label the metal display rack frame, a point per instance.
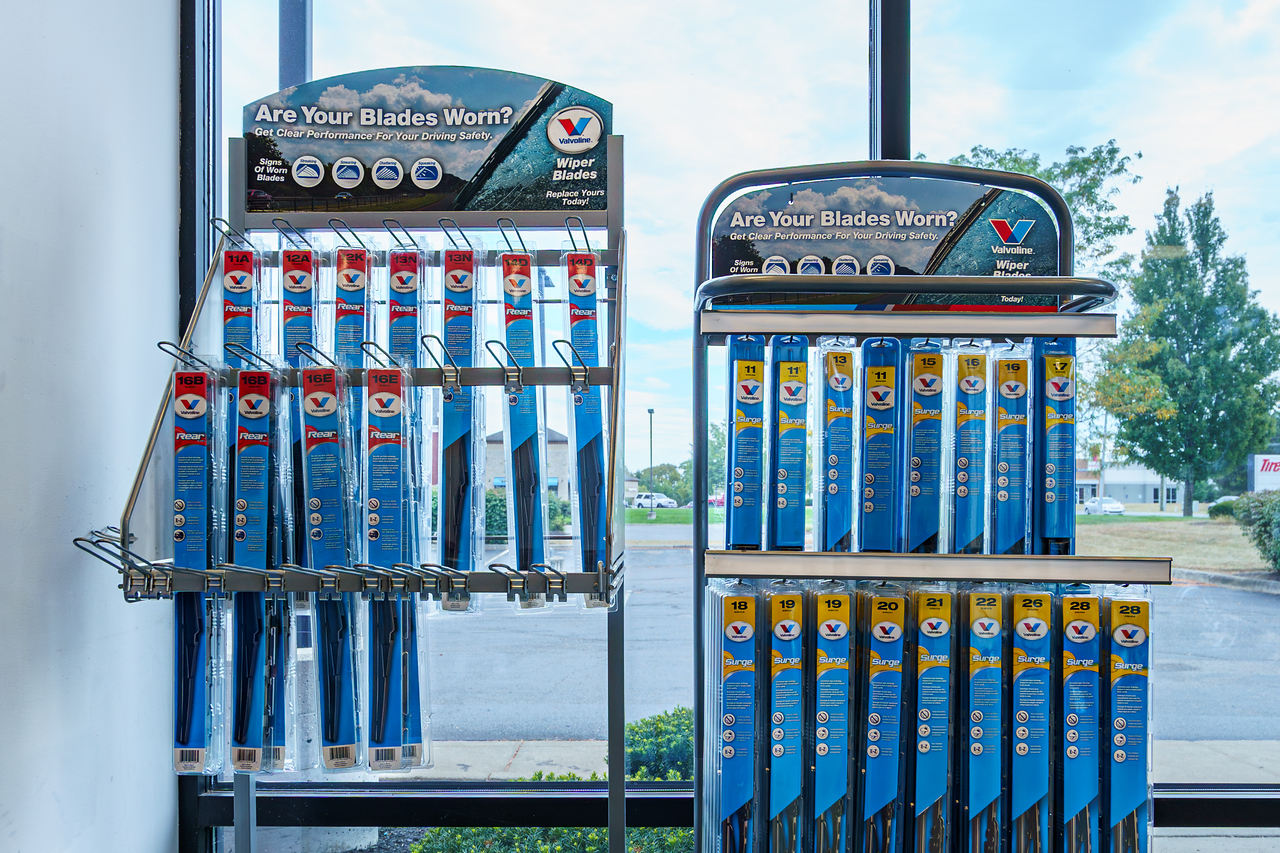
(205, 802)
(712, 326)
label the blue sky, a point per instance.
(703, 90)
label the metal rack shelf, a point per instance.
(938, 567)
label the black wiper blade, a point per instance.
(591, 489)
(453, 498)
(524, 480)
(189, 624)
(249, 628)
(383, 625)
(333, 633)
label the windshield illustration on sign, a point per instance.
(892, 226)
(427, 138)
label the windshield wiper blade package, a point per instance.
(924, 441)
(260, 528)
(982, 708)
(1055, 446)
(881, 464)
(834, 462)
(788, 442)
(882, 609)
(406, 302)
(1032, 707)
(199, 540)
(461, 503)
(298, 271)
(967, 468)
(586, 427)
(745, 457)
(241, 274)
(784, 749)
(328, 476)
(526, 478)
(731, 804)
(1011, 453)
(834, 646)
(1081, 756)
(1127, 784)
(353, 268)
(929, 764)
(395, 736)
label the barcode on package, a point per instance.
(339, 756)
(411, 753)
(186, 760)
(247, 759)
(385, 758)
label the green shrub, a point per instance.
(1226, 509)
(495, 513)
(550, 839)
(1259, 516)
(661, 747)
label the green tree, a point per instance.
(717, 449)
(1089, 181)
(670, 480)
(1190, 377)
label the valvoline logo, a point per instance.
(1129, 636)
(1012, 389)
(459, 281)
(320, 405)
(254, 406)
(1081, 631)
(517, 285)
(880, 397)
(1060, 388)
(297, 281)
(404, 281)
(832, 629)
(787, 629)
(927, 384)
(887, 632)
(384, 405)
(934, 627)
(573, 130)
(582, 284)
(1012, 235)
(351, 279)
(190, 406)
(739, 632)
(238, 281)
(986, 628)
(840, 381)
(1032, 629)
(973, 384)
(749, 391)
(793, 393)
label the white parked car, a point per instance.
(653, 500)
(1103, 506)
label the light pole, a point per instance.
(652, 504)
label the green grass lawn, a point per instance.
(672, 516)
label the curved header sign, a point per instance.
(439, 138)
(889, 225)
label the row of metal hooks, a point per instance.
(296, 239)
(149, 580)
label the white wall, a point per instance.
(88, 250)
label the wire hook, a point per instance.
(461, 233)
(503, 231)
(412, 244)
(309, 351)
(305, 242)
(184, 355)
(350, 231)
(365, 345)
(226, 229)
(586, 241)
(243, 352)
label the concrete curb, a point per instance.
(1252, 583)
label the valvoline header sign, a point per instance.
(443, 138)
(890, 225)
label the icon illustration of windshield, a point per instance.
(387, 173)
(347, 170)
(426, 172)
(308, 170)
